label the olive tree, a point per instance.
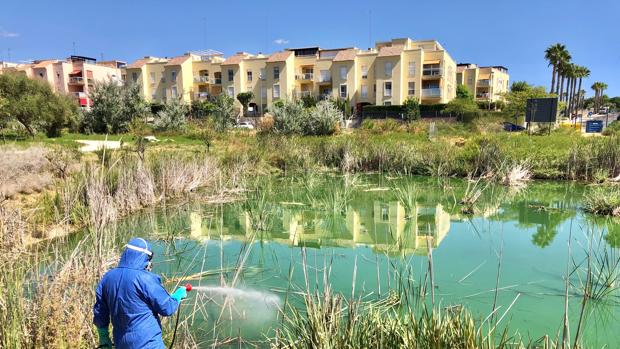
(173, 117)
(34, 105)
(224, 113)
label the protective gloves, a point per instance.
(180, 293)
(104, 338)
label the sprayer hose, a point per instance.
(176, 326)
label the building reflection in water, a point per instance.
(386, 227)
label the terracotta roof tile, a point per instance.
(394, 50)
(178, 60)
(280, 56)
(345, 55)
(236, 59)
(138, 63)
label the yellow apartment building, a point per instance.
(485, 83)
(75, 76)
(387, 74)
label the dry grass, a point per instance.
(24, 171)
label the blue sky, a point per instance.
(513, 33)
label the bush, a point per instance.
(202, 108)
(224, 113)
(173, 117)
(322, 120)
(34, 105)
(612, 129)
(288, 117)
(114, 107)
(411, 109)
(603, 200)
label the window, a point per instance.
(249, 73)
(154, 95)
(152, 78)
(388, 69)
(411, 88)
(387, 103)
(174, 76)
(364, 72)
(276, 73)
(134, 76)
(231, 75)
(343, 91)
(262, 74)
(387, 89)
(231, 91)
(276, 90)
(325, 76)
(385, 214)
(364, 91)
(174, 92)
(163, 94)
(343, 73)
(411, 68)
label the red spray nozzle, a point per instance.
(188, 287)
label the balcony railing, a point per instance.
(431, 72)
(201, 79)
(304, 76)
(301, 94)
(482, 95)
(484, 83)
(431, 92)
(201, 95)
(325, 79)
(76, 80)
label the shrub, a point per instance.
(202, 108)
(462, 106)
(172, 117)
(224, 114)
(114, 107)
(612, 129)
(322, 120)
(35, 106)
(604, 200)
(411, 108)
(288, 117)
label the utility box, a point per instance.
(594, 126)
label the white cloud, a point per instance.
(7, 34)
(280, 41)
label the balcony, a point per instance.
(482, 95)
(325, 79)
(484, 83)
(431, 72)
(201, 79)
(431, 92)
(304, 77)
(201, 95)
(301, 94)
(76, 80)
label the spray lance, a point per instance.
(188, 288)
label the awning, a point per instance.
(432, 62)
(75, 72)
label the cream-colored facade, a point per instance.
(485, 83)
(75, 76)
(387, 74)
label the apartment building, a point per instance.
(192, 76)
(387, 74)
(485, 83)
(75, 76)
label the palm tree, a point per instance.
(563, 62)
(582, 72)
(599, 88)
(552, 55)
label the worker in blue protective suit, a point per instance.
(133, 298)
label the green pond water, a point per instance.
(383, 224)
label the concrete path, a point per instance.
(90, 146)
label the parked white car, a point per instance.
(245, 125)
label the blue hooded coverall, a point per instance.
(134, 298)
